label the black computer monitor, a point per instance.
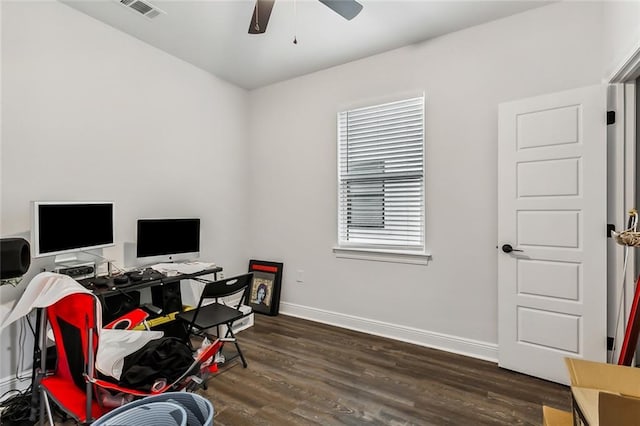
(168, 239)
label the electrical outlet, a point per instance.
(300, 276)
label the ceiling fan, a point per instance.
(348, 9)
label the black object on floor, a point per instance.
(17, 409)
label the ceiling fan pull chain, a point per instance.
(295, 21)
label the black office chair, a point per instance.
(208, 316)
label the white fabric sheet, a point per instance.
(43, 290)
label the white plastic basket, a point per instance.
(198, 411)
(148, 414)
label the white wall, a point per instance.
(452, 302)
(621, 33)
(90, 113)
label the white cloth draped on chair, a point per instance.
(47, 288)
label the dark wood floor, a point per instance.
(305, 373)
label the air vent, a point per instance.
(143, 8)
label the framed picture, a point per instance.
(264, 291)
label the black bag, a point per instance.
(165, 358)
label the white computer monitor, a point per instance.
(67, 227)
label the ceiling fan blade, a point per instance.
(260, 18)
(348, 9)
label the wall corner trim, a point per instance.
(459, 345)
(628, 69)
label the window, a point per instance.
(381, 176)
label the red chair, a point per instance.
(73, 384)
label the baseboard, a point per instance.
(445, 342)
(11, 383)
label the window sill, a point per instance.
(394, 256)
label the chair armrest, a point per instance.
(115, 387)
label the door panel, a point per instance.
(560, 280)
(534, 326)
(548, 228)
(552, 207)
(563, 178)
(556, 126)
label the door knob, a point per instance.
(508, 249)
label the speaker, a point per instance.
(79, 271)
(15, 257)
(167, 297)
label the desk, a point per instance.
(165, 293)
(112, 288)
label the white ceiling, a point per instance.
(212, 34)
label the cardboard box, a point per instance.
(554, 417)
(605, 394)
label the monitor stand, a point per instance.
(69, 259)
(73, 261)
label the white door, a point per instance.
(552, 289)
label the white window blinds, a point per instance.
(381, 175)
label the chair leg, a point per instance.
(244, 361)
(235, 342)
(44, 402)
(187, 335)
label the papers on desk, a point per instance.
(171, 269)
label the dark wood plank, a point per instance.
(305, 373)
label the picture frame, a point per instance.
(264, 290)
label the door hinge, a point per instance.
(609, 343)
(610, 227)
(611, 117)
